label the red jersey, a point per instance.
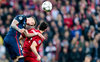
(27, 52)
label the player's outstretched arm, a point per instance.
(33, 48)
(14, 25)
(33, 34)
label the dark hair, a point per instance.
(43, 26)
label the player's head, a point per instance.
(43, 26)
(31, 21)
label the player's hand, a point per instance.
(21, 30)
(39, 34)
(38, 58)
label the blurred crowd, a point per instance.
(73, 32)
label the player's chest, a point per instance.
(38, 41)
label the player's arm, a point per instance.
(20, 40)
(14, 25)
(27, 34)
(15, 22)
(33, 48)
(21, 37)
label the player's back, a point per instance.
(27, 43)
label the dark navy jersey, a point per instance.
(22, 22)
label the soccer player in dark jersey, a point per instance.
(31, 45)
(11, 40)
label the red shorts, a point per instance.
(30, 59)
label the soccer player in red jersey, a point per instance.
(31, 45)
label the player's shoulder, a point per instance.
(37, 30)
(20, 17)
(33, 29)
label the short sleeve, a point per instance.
(37, 41)
(19, 18)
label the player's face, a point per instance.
(30, 21)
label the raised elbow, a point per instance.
(32, 47)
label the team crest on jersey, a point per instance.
(20, 18)
(39, 41)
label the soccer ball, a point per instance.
(47, 6)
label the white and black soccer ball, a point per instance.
(47, 6)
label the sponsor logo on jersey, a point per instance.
(39, 41)
(20, 18)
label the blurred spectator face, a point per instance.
(73, 2)
(92, 28)
(53, 24)
(9, 17)
(11, 10)
(20, 12)
(56, 29)
(95, 44)
(77, 35)
(66, 34)
(63, 10)
(2, 29)
(98, 60)
(65, 43)
(82, 38)
(74, 50)
(98, 8)
(83, 3)
(59, 4)
(67, 2)
(80, 49)
(1, 11)
(72, 11)
(88, 59)
(7, 22)
(59, 23)
(31, 12)
(7, 29)
(74, 40)
(1, 22)
(87, 23)
(42, 15)
(45, 59)
(59, 18)
(65, 28)
(50, 44)
(77, 22)
(87, 44)
(81, 11)
(65, 50)
(96, 38)
(58, 41)
(5, 10)
(37, 12)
